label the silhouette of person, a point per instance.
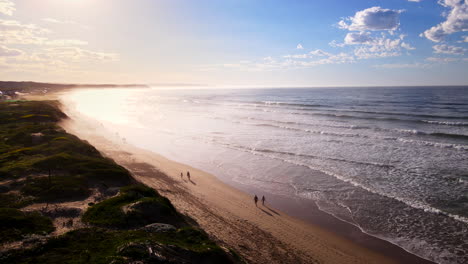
(263, 199)
(182, 175)
(256, 200)
(188, 175)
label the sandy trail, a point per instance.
(260, 234)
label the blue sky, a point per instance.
(236, 42)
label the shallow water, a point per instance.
(393, 161)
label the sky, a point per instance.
(236, 42)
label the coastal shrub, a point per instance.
(56, 188)
(139, 190)
(136, 205)
(15, 224)
(23, 166)
(31, 146)
(46, 111)
(96, 245)
(13, 200)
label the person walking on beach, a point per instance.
(263, 199)
(255, 200)
(188, 175)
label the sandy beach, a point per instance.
(261, 234)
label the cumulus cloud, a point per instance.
(456, 21)
(14, 32)
(7, 7)
(335, 44)
(375, 52)
(358, 38)
(299, 46)
(370, 44)
(374, 18)
(379, 48)
(376, 47)
(7, 52)
(447, 49)
(407, 46)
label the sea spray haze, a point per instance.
(392, 161)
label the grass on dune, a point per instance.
(15, 224)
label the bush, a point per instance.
(95, 245)
(15, 224)
(12, 200)
(143, 205)
(56, 188)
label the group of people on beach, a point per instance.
(256, 200)
(182, 175)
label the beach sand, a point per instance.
(260, 234)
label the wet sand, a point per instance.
(263, 234)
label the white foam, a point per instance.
(434, 144)
(447, 123)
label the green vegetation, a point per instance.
(13, 200)
(96, 245)
(41, 163)
(143, 206)
(15, 224)
(31, 143)
(56, 188)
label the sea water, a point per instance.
(392, 161)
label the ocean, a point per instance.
(392, 161)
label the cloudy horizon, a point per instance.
(258, 43)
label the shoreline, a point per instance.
(307, 211)
(338, 241)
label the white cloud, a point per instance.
(456, 21)
(75, 54)
(447, 49)
(64, 22)
(319, 52)
(314, 53)
(299, 46)
(358, 38)
(402, 65)
(14, 32)
(7, 7)
(375, 52)
(335, 44)
(52, 20)
(65, 42)
(407, 46)
(297, 56)
(299, 61)
(376, 47)
(370, 44)
(417, 1)
(465, 39)
(7, 52)
(442, 60)
(374, 18)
